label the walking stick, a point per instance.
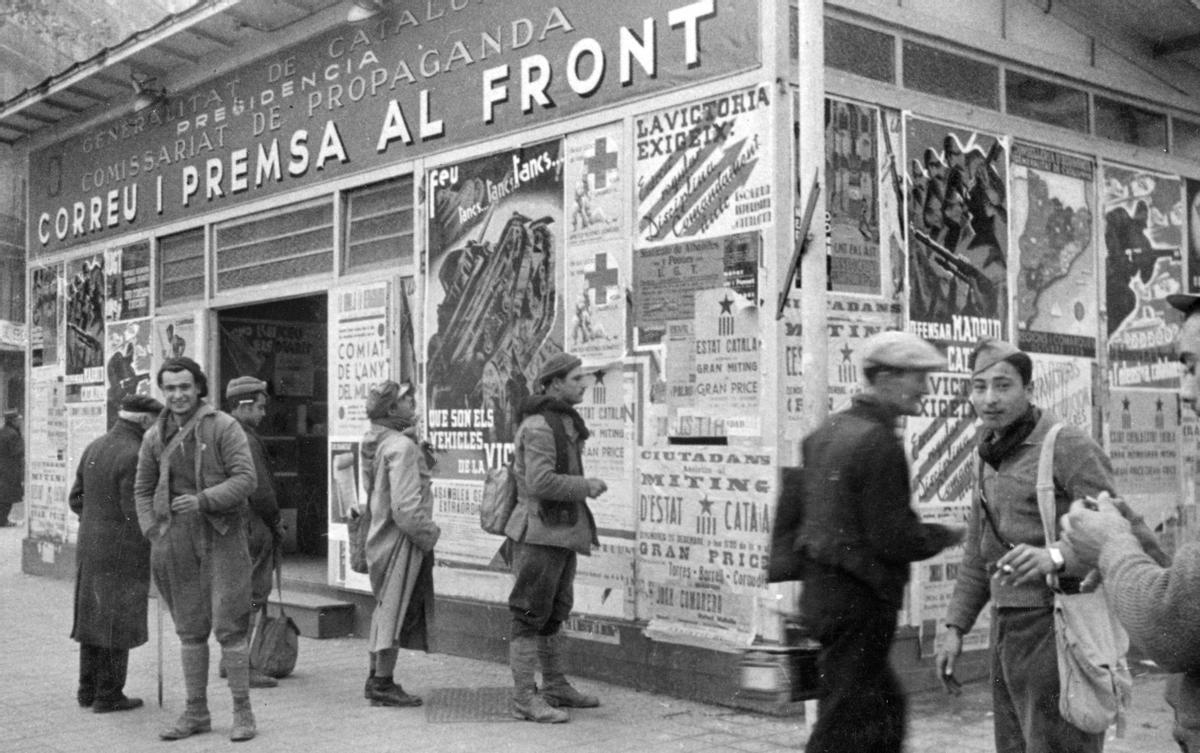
(158, 620)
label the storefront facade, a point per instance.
(453, 191)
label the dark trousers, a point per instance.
(262, 555)
(544, 591)
(102, 673)
(862, 708)
(1025, 687)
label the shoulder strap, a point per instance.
(555, 422)
(1045, 491)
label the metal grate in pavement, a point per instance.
(468, 705)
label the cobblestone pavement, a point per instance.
(321, 708)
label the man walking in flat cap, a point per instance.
(12, 464)
(859, 537)
(246, 400)
(112, 560)
(1007, 557)
(1157, 601)
(195, 472)
(549, 527)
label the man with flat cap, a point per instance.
(246, 400)
(194, 474)
(1156, 601)
(112, 561)
(1007, 557)
(12, 464)
(859, 536)
(550, 525)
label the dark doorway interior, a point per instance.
(283, 343)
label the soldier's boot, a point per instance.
(527, 703)
(555, 688)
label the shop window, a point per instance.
(1121, 121)
(1185, 140)
(181, 267)
(945, 74)
(864, 52)
(275, 246)
(379, 225)
(1045, 101)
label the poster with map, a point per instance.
(1143, 236)
(1052, 211)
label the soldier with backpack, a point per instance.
(550, 525)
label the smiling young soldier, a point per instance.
(1007, 557)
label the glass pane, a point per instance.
(1186, 141)
(181, 267)
(272, 246)
(379, 224)
(945, 74)
(865, 52)
(1121, 121)
(1045, 101)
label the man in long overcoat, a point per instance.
(12, 464)
(112, 579)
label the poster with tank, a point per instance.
(1143, 237)
(127, 362)
(85, 329)
(494, 314)
(494, 271)
(1053, 219)
(45, 315)
(957, 236)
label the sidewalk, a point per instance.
(320, 708)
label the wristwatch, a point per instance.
(1056, 556)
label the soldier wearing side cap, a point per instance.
(1007, 557)
(859, 537)
(112, 560)
(246, 400)
(1157, 601)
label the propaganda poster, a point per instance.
(705, 169)
(127, 363)
(1143, 236)
(853, 197)
(958, 236)
(1053, 218)
(1143, 435)
(85, 329)
(46, 316)
(127, 275)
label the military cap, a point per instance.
(901, 350)
(559, 364)
(383, 395)
(244, 385)
(140, 404)
(988, 352)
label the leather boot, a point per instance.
(383, 691)
(555, 688)
(527, 703)
(243, 720)
(86, 694)
(259, 680)
(195, 718)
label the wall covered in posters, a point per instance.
(1143, 236)
(46, 430)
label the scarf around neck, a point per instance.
(542, 403)
(995, 446)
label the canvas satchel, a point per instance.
(357, 526)
(275, 643)
(1095, 686)
(499, 499)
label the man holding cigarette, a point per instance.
(1007, 557)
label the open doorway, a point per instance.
(283, 343)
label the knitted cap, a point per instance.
(901, 350)
(244, 385)
(559, 364)
(140, 404)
